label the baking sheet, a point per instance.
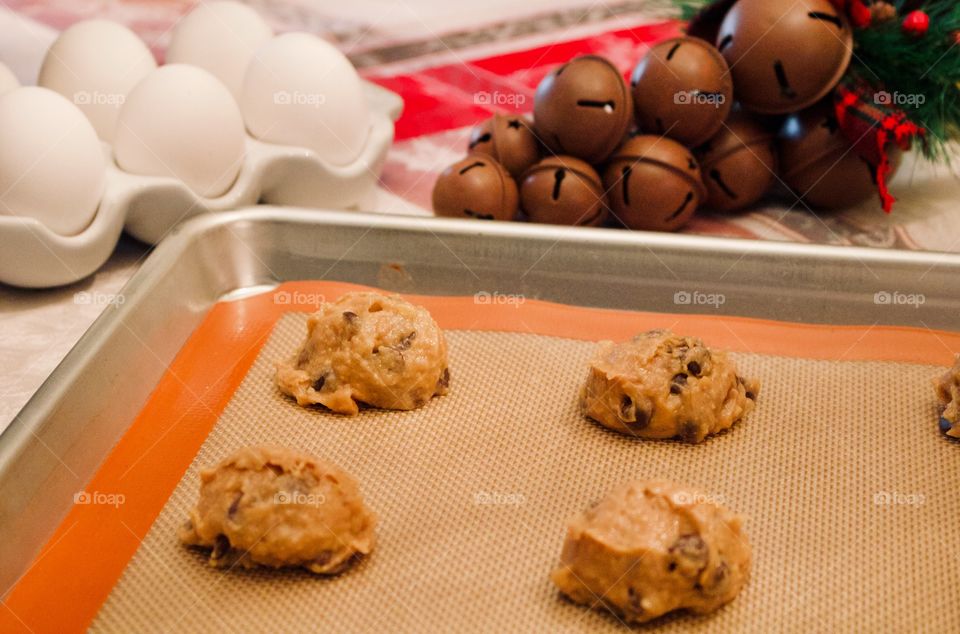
(846, 483)
(60, 440)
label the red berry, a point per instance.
(860, 14)
(917, 23)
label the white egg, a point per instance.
(95, 64)
(8, 81)
(220, 37)
(300, 90)
(181, 121)
(52, 164)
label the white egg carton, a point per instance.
(148, 207)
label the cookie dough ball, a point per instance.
(653, 184)
(476, 187)
(662, 385)
(583, 108)
(784, 55)
(508, 140)
(277, 507)
(948, 393)
(682, 89)
(563, 190)
(739, 164)
(368, 348)
(818, 163)
(651, 547)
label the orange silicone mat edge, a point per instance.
(79, 565)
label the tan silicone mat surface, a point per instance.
(851, 494)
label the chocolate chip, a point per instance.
(406, 342)
(694, 368)
(689, 554)
(717, 581)
(690, 432)
(677, 383)
(318, 384)
(444, 380)
(945, 424)
(628, 409)
(221, 546)
(352, 323)
(277, 469)
(323, 558)
(234, 505)
(750, 395)
(642, 419)
(343, 565)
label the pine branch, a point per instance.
(922, 73)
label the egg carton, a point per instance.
(149, 207)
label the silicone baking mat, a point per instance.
(850, 492)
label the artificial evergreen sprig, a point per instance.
(921, 72)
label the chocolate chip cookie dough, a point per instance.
(948, 393)
(650, 547)
(278, 507)
(662, 385)
(368, 348)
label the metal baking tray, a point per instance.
(61, 436)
